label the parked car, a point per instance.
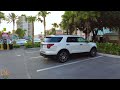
(21, 41)
(37, 40)
(61, 46)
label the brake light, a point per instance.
(49, 45)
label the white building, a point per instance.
(23, 24)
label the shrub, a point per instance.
(110, 48)
(29, 44)
(36, 44)
(16, 46)
(14, 42)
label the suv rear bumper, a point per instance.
(47, 52)
(47, 56)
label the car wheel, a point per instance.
(63, 56)
(93, 52)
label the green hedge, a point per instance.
(16, 46)
(109, 48)
(29, 44)
(36, 44)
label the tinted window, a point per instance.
(53, 39)
(72, 39)
(80, 39)
(75, 39)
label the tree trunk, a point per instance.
(67, 31)
(44, 28)
(13, 26)
(94, 36)
(87, 27)
(119, 36)
(85, 31)
(86, 36)
(75, 30)
(32, 34)
(70, 32)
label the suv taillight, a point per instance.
(49, 45)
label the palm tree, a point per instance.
(2, 17)
(59, 25)
(44, 14)
(55, 25)
(32, 19)
(39, 19)
(9, 32)
(12, 18)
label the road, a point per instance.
(28, 64)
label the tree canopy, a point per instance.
(2, 16)
(20, 32)
(90, 21)
(43, 14)
(32, 19)
(12, 18)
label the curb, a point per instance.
(109, 55)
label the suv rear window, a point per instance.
(53, 39)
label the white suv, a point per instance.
(61, 46)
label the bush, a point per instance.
(36, 44)
(14, 42)
(29, 44)
(16, 46)
(109, 48)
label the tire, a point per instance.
(93, 52)
(63, 56)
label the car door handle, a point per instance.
(81, 44)
(67, 44)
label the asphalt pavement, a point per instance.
(28, 64)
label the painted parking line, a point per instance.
(32, 51)
(35, 57)
(26, 68)
(18, 55)
(66, 64)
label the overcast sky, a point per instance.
(54, 17)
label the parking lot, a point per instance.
(28, 64)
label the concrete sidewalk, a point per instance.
(109, 55)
